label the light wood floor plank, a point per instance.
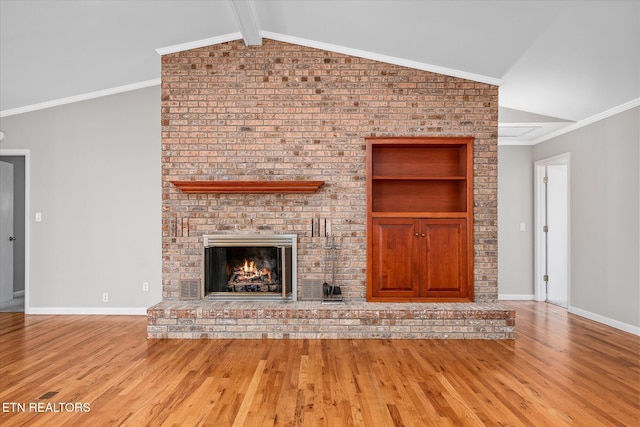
(562, 370)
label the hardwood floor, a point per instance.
(102, 371)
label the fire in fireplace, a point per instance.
(250, 267)
(249, 278)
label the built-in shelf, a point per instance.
(419, 219)
(248, 186)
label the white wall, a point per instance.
(605, 217)
(96, 179)
(515, 207)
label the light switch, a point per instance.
(522, 226)
(38, 216)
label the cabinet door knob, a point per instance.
(417, 234)
(423, 234)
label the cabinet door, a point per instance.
(394, 253)
(443, 258)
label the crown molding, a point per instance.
(382, 58)
(199, 43)
(589, 120)
(78, 98)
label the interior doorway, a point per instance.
(7, 236)
(552, 230)
(15, 237)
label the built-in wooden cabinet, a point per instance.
(420, 219)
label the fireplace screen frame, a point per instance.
(283, 242)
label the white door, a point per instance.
(6, 231)
(557, 234)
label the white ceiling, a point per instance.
(560, 64)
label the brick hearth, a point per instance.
(312, 319)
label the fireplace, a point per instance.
(250, 267)
(285, 145)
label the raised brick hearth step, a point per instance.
(313, 319)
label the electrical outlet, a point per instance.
(145, 286)
(105, 297)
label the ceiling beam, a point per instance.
(247, 17)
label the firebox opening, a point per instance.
(250, 269)
(247, 269)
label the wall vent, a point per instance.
(189, 289)
(511, 131)
(311, 289)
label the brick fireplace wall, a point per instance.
(282, 111)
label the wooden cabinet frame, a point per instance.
(420, 219)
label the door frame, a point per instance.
(26, 153)
(539, 237)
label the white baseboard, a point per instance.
(605, 320)
(516, 297)
(111, 311)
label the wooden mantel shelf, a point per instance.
(248, 186)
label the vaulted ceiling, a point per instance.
(559, 64)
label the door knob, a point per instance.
(11, 238)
